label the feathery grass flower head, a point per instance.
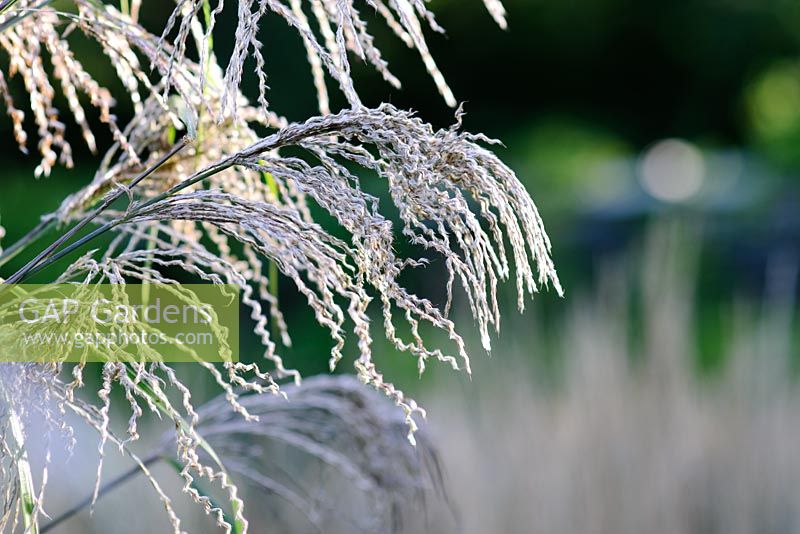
(225, 190)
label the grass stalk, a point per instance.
(113, 197)
(105, 489)
(28, 239)
(24, 476)
(5, 5)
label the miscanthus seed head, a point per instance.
(235, 205)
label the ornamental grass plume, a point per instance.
(341, 432)
(223, 188)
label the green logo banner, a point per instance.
(108, 322)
